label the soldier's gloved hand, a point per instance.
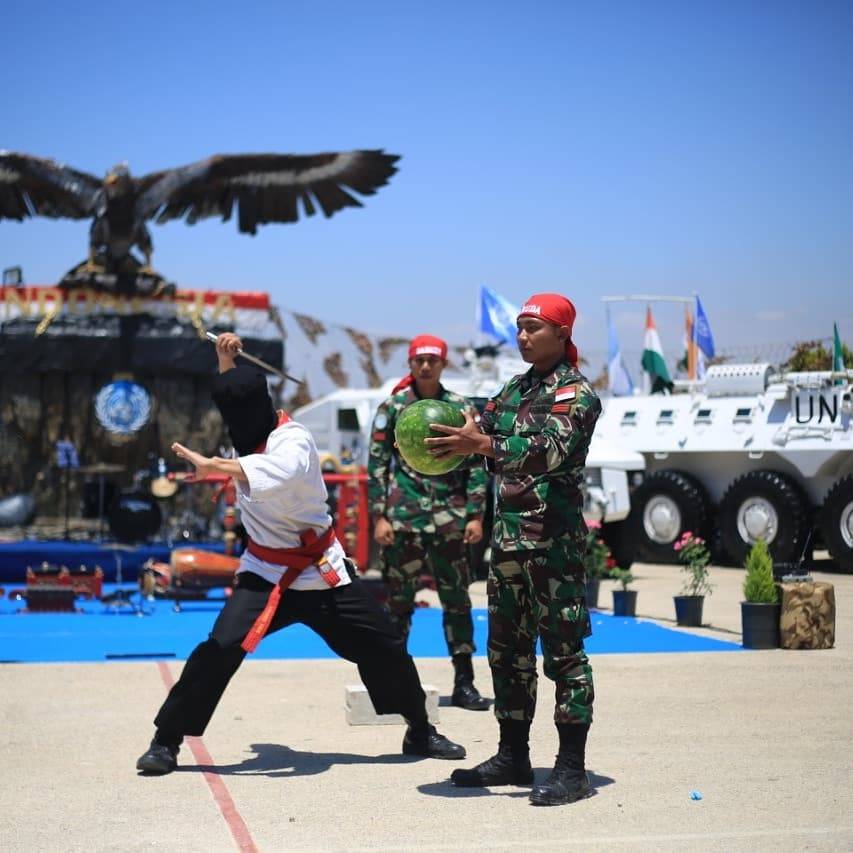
(383, 533)
(473, 532)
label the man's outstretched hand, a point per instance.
(204, 465)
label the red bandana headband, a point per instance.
(556, 310)
(422, 345)
(428, 345)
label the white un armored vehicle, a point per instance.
(747, 454)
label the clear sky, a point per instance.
(587, 148)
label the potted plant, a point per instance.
(760, 607)
(693, 553)
(624, 599)
(596, 563)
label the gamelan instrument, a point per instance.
(189, 571)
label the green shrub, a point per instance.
(758, 586)
(622, 576)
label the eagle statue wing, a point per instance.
(265, 187)
(33, 186)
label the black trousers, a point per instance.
(348, 618)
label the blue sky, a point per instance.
(591, 149)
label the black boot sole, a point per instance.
(478, 781)
(540, 799)
(423, 752)
(479, 705)
(153, 768)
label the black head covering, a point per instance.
(244, 401)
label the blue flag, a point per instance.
(497, 316)
(702, 331)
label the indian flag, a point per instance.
(653, 361)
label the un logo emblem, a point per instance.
(123, 408)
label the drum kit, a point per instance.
(154, 506)
(158, 505)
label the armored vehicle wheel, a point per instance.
(662, 508)
(836, 523)
(763, 505)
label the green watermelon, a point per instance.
(413, 427)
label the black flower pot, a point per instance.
(624, 602)
(760, 625)
(592, 585)
(688, 609)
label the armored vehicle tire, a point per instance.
(665, 505)
(836, 523)
(763, 505)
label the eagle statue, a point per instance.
(263, 188)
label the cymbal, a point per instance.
(100, 468)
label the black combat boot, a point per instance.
(161, 757)
(568, 781)
(422, 739)
(511, 764)
(465, 695)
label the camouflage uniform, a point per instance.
(428, 515)
(541, 428)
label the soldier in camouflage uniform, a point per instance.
(535, 435)
(420, 520)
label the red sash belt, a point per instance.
(311, 552)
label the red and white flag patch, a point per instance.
(563, 400)
(566, 395)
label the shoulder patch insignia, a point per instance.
(566, 395)
(378, 436)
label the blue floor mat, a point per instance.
(101, 633)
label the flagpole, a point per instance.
(690, 340)
(478, 318)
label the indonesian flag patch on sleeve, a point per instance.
(563, 400)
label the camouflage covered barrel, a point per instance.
(807, 619)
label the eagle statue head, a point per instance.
(118, 181)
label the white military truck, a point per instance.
(746, 454)
(340, 423)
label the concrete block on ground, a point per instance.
(360, 710)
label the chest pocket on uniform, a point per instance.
(536, 416)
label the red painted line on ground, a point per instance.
(223, 799)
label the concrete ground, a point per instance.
(766, 737)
